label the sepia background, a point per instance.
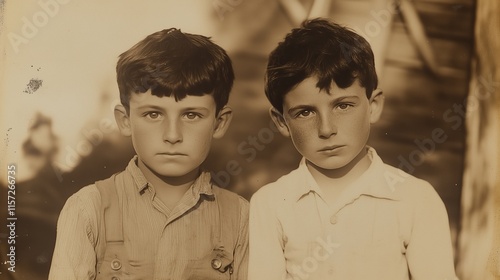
(436, 60)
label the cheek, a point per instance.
(146, 133)
(200, 131)
(146, 136)
(301, 134)
(200, 136)
(358, 127)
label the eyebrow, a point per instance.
(310, 107)
(346, 97)
(155, 107)
(159, 108)
(201, 108)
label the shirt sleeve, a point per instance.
(266, 258)
(429, 251)
(74, 254)
(241, 251)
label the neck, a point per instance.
(341, 176)
(160, 182)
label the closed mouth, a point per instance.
(172, 154)
(330, 148)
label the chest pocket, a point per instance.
(217, 264)
(212, 266)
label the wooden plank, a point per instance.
(445, 27)
(445, 9)
(447, 21)
(448, 53)
(455, 2)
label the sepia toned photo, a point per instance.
(250, 139)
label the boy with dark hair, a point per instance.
(162, 217)
(343, 213)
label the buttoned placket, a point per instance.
(330, 218)
(189, 200)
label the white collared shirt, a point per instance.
(386, 225)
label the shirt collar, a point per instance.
(372, 182)
(202, 184)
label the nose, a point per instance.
(172, 132)
(326, 126)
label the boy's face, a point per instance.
(329, 130)
(172, 138)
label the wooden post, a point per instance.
(480, 224)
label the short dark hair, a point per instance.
(322, 49)
(172, 62)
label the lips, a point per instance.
(330, 148)
(172, 154)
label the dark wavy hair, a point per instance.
(172, 62)
(322, 49)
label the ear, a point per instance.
(376, 105)
(122, 120)
(224, 118)
(279, 121)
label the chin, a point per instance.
(331, 163)
(171, 171)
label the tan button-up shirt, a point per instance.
(386, 225)
(161, 243)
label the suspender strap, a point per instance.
(114, 263)
(228, 222)
(227, 230)
(111, 209)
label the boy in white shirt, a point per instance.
(343, 213)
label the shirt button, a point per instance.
(115, 278)
(216, 263)
(333, 219)
(116, 264)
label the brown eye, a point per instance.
(304, 113)
(153, 115)
(192, 116)
(344, 106)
